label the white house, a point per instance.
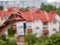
(43, 22)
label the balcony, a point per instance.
(45, 31)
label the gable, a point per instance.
(58, 18)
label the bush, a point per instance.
(30, 38)
(2, 42)
(1, 7)
(54, 39)
(3, 37)
(11, 41)
(10, 32)
(42, 40)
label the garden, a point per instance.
(31, 39)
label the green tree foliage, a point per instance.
(48, 7)
(30, 38)
(10, 32)
(58, 11)
(54, 39)
(11, 41)
(2, 42)
(42, 40)
(1, 7)
(24, 9)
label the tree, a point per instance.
(24, 9)
(54, 39)
(10, 32)
(1, 7)
(48, 7)
(58, 11)
(30, 38)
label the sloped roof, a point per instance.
(52, 15)
(4, 13)
(31, 16)
(8, 12)
(42, 15)
(27, 16)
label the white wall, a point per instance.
(52, 26)
(38, 31)
(20, 28)
(39, 24)
(28, 25)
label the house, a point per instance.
(41, 22)
(36, 21)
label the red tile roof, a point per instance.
(41, 15)
(31, 16)
(1, 13)
(52, 15)
(27, 16)
(4, 13)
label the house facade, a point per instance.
(36, 21)
(42, 23)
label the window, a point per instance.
(20, 26)
(37, 20)
(45, 23)
(54, 22)
(37, 28)
(28, 24)
(54, 29)
(45, 27)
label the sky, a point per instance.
(49, 1)
(25, 3)
(36, 3)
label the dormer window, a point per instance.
(37, 20)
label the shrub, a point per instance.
(42, 40)
(54, 39)
(30, 38)
(10, 32)
(2, 42)
(11, 41)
